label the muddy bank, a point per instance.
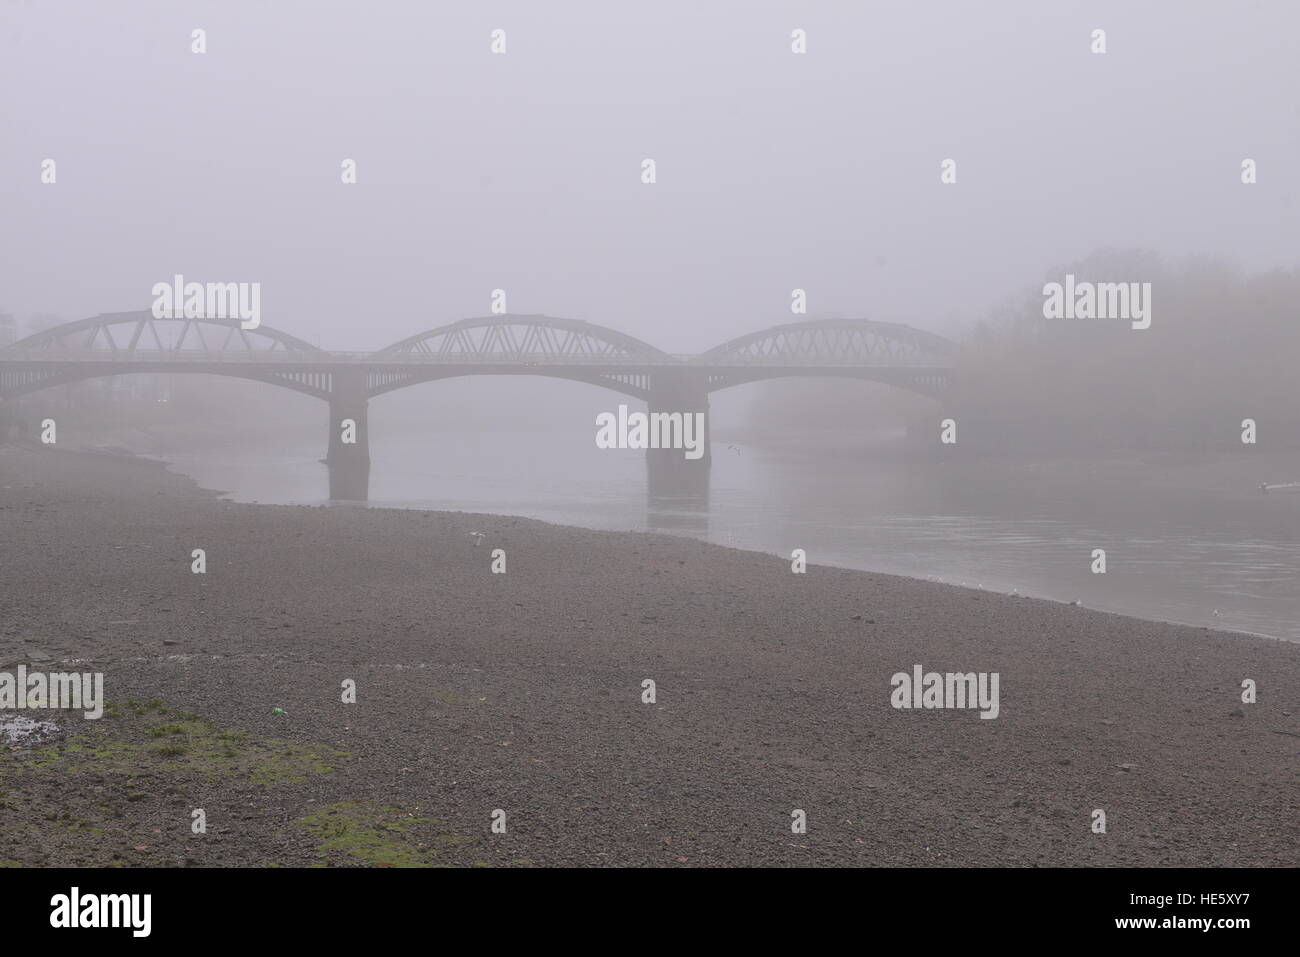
(523, 692)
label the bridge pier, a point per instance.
(349, 462)
(672, 479)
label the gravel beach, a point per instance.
(522, 693)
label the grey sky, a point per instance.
(522, 171)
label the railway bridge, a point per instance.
(122, 343)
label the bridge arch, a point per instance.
(522, 337)
(101, 332)
(525, 344)
(831, 341)
(125, 343)
(888, 352)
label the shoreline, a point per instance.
(478, 691)
(174, 469)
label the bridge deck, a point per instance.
(30, 357)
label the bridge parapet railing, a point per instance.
(425, 359)
(154, 355)
(821, 362)
(311, 358)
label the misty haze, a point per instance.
(608, 435)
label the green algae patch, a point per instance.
(359, 832)
(119, 791)
(143, 739)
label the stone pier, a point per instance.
(670, 475)
(349, 462)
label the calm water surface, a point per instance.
(1215, 553)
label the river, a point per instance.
(1196, 543)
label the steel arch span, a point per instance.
(520, 345)
(132, 342)
(887, 352)
(166, 335)
(121, 343)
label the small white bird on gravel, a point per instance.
(478, 538)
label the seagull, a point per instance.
(478, 538)
(732, 448)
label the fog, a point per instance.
(522, 171)
(973, 366)
(775, 171)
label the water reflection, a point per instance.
(686, 513)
